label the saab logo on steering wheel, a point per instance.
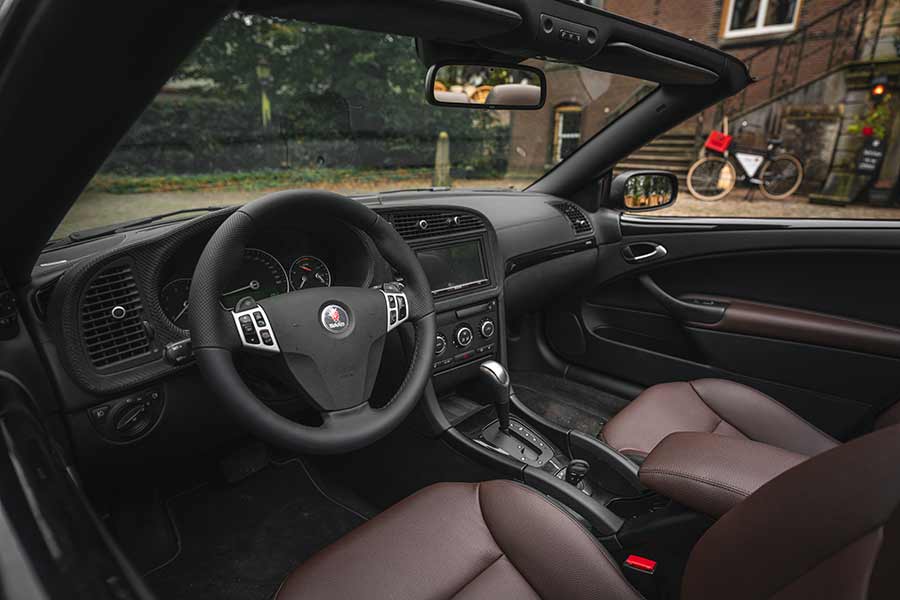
(335, 318)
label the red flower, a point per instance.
(867, 131)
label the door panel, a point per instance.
(805, 311)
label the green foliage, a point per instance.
(250, 180)
(338, 98)
(879, 118)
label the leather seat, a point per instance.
(497, 539)
(710, 405)
(800, 536)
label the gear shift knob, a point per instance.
(497, 377)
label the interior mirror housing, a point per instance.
(644, 190)
(464, 84)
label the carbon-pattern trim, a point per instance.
(148, 256)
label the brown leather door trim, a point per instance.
(797, 325)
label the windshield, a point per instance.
(265, 104)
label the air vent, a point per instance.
(580, 223)
(416, 224)
(112, 324)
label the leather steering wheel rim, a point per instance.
(216, 337)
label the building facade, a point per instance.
(813, 61)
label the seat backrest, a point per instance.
(828, 528)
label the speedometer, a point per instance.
(308, 272)
(259, 276)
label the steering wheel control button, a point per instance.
(247, 303)
(440, 344)
(395, 302)
(335, 319)
(254, 328)
(463, 336)
(487, 328)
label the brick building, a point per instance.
(795, 48)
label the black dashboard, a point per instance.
(488, 255)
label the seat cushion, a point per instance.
(713, 406)
(496, 539)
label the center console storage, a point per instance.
(679, 467)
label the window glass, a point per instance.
(759, 17)
(780, 12)
(267, 104)
(568, 131)
(744, 14)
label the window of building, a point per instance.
(759, 17)
(566, 131)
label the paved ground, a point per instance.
(94, 209)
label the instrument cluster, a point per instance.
(277, 263)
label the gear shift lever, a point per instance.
(497, 377)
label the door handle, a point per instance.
(643, 252)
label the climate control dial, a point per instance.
(440, 344)
(463, 336)
(487, 328)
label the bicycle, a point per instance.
(713, 177)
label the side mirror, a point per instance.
(644, 190)
(479, 85)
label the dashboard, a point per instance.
(488, 257)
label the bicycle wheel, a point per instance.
(711, 178)
(780, 177)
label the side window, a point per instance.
(566, 131)
(760, 17)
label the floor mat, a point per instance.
(240, 541)
(565, 402)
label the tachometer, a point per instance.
(260, 276)
(308, 272)
(173, 299)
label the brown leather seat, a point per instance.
(497, 539)
(826, 529)
(714, 406)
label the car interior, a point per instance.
(430, 393)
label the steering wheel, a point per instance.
(331, 338)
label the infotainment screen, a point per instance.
(451, 268)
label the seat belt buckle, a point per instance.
(639, 571)
(641, 564)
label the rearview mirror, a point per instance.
(644, 190)
(479, 85)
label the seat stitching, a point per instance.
(711, 482)
(775, 402)
(477, 487)
(713, 411)
(602, 550)
(478, 574)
